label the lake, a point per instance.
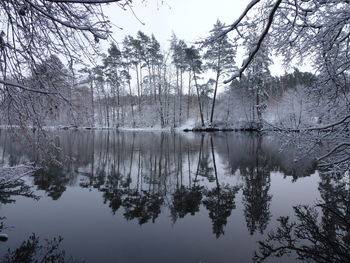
(160, 197)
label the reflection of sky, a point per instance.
(93, 233)
(287, 193)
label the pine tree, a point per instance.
(113, 66)
(220, 57)
(194, 60)
(178, 48)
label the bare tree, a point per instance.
(33, 30)
(305, 30)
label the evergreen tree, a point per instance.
(194, 60)
(220, 57)
(178, 48)
(113, 66)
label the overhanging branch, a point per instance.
(84, 1)
(13, 84)
(255, 50)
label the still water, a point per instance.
(161, 197)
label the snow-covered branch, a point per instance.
(13, 84)
(12, 184)
(236, 23)
(13, 173)
(339, 146)
(255, 50)
(85, 1)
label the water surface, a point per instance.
(158, 197)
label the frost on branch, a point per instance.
(12, 183)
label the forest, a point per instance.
(140, 85)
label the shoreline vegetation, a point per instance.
(165, 129)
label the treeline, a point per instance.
(137, 84)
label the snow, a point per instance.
(9, 174)
(189, 124)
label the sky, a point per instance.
(190, 20)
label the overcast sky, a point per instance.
(190, 20)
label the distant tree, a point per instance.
(178, 48)
(194, 60)
(113, 67)
(258, 76)
(220, 57)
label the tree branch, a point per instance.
(247, 61)
(85, 1)
(333, 150)
(13, 84)
(235, 24)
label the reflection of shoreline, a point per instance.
(142, 172)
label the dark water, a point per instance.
(164, 197)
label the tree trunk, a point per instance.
(138, 89)
(216, 87)
(132, 106)
(160, 100)
(214, 98)
(199, 99)
(189, 94)
(180, 102)
(92, 102)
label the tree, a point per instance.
(316, 31)
(113, 67)
(220, 57)
(194, 60)
(33, 30)
(178, 48)
(258, 76)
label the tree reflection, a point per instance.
(186, 200)
(142, 205)
(204, 168)
(141, 175)
(219, 200)
(111, 192)
(52, 180)
(320, 233)
(256, 197)
(12, 184)
(33, 250)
